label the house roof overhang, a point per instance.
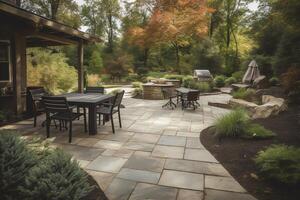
(39, 30)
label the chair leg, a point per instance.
(48, 125)
(60, 124)
(84, 119)
(34, 120)
(112, 123)
(70, 132)
(103, 121)
(120, 123)
(99, 119)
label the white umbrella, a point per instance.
(252, 72)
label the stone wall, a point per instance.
(154, 91)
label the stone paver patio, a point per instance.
(156, 155)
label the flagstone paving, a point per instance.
(156, 155)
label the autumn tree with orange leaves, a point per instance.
(172, 21)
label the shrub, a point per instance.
(291, 83)
(137, 84)
(174, 76)
(132, 77)
(201, 86)
(15, 162)
(243, 93)
(156, 74)
(280, 163)
(233, 124)
(187, 80)
(57, 176)
(230, 80)
(274, 81)
(106, 78)
(258, 131)
(238, 75)
(137, 92)
(219, 81)
(115, 91)
(93, 80)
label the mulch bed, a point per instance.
(96, 193)
(236, 155)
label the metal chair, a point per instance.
(191, 100)
(108, 109)
(94, 90)
(37, 106)
(59, 109)
(168, 94)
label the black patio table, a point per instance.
(183, 90)
(91, 101)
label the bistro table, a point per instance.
(183, 90)
(91, 101)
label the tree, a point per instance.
(65, 11)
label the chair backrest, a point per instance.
(118, 99)
(166, 93)
(193, 95)
(55, 104)
(36, 94)
(94, 90)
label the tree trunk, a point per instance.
(176, 47)
(54, 8)
(146, 54)
(110, 32)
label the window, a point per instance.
(5, 70)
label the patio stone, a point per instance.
(223, 183)
(194, 143)
(145, 138)
(122, 153)
(103, 179)
(107, 164)
(83, 163)
(172, 140)
(190, 195)
(82, 153)
(168, 151)
(108, 144)
(217, 195)
(139, 175)
(142, 153)
(119, 189)
(182, 180)
(196, 167)
(88, 142)
(170, 131)
(120, 137)
(154, 192)
(145, 163)
(138, 146)
(200, 155)
(188, 134)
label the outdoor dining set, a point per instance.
(66, 108)
(186, 97)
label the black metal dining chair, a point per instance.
(36, 100)
(57, 108)
(110, 108)
(191, 100)
(94, 90)
(169, 94)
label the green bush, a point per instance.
(29, 170)
(258, 131)
(219, 81)
(187, 80)
(274, 81)
(243, 93)
(136, 84)
(174, 76)
(280, 163)
(115, 91)
(201, 86)
(57, 176)
(156, 74)
(238, 75)
(106, 78)
(137, 92)
(132, 78)
(15, 162)
(233, 124)
(230, 80)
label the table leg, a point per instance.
(92, 120)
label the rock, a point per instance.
(237, 86)
(244, 104)
(261, 82)
(271, 106)
(219, 104)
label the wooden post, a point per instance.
(80, 66)
(19, 54)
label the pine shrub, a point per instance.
(219, 81)
(280, 163)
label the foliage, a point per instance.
(137, 92)
(291, 83)
(15, 162)
(93, 80)
(230, 80)
(243, 93)
(280, 163)
(201, 86)
(174, 76)
(132, 77)
(56, 176)
(274, 81)
(233, 124)
(156, 74)
(2, 116)
(50, 70)
(115, 91)
(95, 63)
(29, 170)
(257, 131)
(219, 80)
(238, 75)
(136, 84)
(106, 78)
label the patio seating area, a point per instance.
(152, 156)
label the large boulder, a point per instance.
(261, 82)
(270, 106)
(250, 106)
